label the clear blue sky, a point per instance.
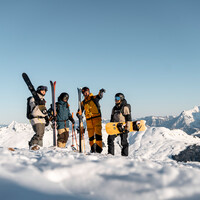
(148, 50)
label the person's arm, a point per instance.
(100, 95)
(112, 116)
(128, 118)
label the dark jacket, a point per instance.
(121, 112)
(63, 114)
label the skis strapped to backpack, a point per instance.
(80, 128)
(53, 87)
(31, 88)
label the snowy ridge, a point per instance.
(188, 121)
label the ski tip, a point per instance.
(24, 74)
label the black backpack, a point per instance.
(29, 110)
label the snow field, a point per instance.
(52, 173)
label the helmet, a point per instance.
(41, 87)
(85, 89)
(63, 96)
(119, 96)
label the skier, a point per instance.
(121, 112)
(62, 118)
(91, 106)
(38, 117)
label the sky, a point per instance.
(148, 50)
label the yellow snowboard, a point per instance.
(111, 127)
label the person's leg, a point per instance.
(110, 141)
(37, 138)
(124, 143)
(63, 135)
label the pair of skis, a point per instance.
(37, 99)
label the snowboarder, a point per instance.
(121, 112)
(62, 118)
(38, 117)
(91, 106)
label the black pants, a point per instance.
(38, 136)
(124, 143)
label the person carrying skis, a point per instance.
(90, 105)
(121, 112)
(38, 117)
(62, 118)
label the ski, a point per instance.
(53, 87)
(80, 128)
(31, 88)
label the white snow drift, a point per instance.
(148, 172)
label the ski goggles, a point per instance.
(117, 98)
(42, 88)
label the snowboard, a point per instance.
(111, 127)
(53, 87)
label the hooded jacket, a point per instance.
(91, 106)
(39, 112)
(121, 112)
(63, 114)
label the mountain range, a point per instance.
(188, 121)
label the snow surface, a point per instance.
(52, 173)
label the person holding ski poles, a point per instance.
(90, 105)
(62, 118)
(121, 112)
(37, 113)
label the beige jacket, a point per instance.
(38, 111)
(119, 117)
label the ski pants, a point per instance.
(94, 133)
(37, 138)
(63, 135)
(124, 143)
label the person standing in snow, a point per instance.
(121, 112)
(62, 118)
(90, 105)
(38, 117)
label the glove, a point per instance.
(72, 120)
(102, 90)
(78, 129)
(120, 127)
(47, 121)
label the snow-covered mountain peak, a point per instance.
(15, 126)
(188, 121)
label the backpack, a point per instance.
(29, 110)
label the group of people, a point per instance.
(40, 117)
